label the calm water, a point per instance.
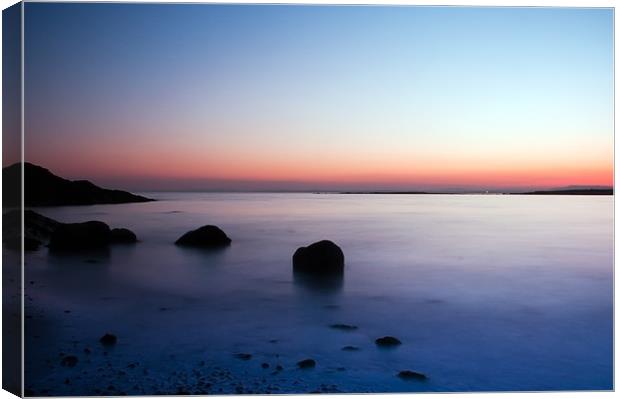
(485, 292)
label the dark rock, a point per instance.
(387, 341)
(265, 365)
(62, 236)
(412, 375)
(243, 356)
(43, 188)
(306, 364)
(37, 229)
(123, 236)
(343, 327)
(108, 339)
(322, 258)
(204, 237)
(69, 361)
(80, 236)
(279, 368)
(350, 348)
(30, 244)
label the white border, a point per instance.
(481, 3)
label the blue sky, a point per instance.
(178, 96)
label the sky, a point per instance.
(240, 97)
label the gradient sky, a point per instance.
(319, 97)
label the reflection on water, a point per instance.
(485, 293)
(61, 256)
(327, 284)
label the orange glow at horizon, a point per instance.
(372, 160)
(396, 172)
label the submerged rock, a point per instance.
(79, 236)
(69, 361)
(320, 258)
(123, 236)
(108, 339)
(306, 364)
(350, 348)
(204, 237)
(343, 327)
(387, 341)
(412, 375)
(243, 356)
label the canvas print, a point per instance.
(290, 199)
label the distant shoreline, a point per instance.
(606, 191)
(545, 192)
(592, 191)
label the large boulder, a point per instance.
(321, 258)
(205, 237)
(79, 236)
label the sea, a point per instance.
(485, 293)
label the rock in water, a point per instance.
(69, 361)
(123, 236)
(411, 375)
(306, 364)
(204, 237)
(387, 341)
(37, 229)
(108, 339)
(321, 258)
(343, 327)
(79, 236)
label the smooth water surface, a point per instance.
(486, 293)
